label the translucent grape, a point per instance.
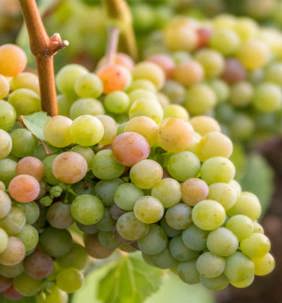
(126, 195)
(256, 245)
(86, 106)
(188, 73)
(88, 86)
(242, 226)
(148, 209)
(264, 265)
(211, 61)
(193, 191)
(5, 144)
(176, 111)
(180, 252)
(59, 215)
(25, 80)
(30, 166)
(30, 238)
(224, 194)
(178, 216)
(110, 129)
(188, 272)
(105, 190)
(4, 87)
(69, 280)
(64, 105)
(117, 102)
(24, 142)
(7, 116)
(14, 253)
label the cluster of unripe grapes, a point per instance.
(121, 167)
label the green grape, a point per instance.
(76, 258)
(106, 223)
(256, 245)
(14, 222)
(222, 242)
(174, 91)
(30, 238)
(264, 265)
(7, 116)
(88, 86)
(170, 232)
(87, 130)
(4, 87)
(145, 203)
(57, 131)
(87, 209)
(59, 215)
(273, 73)
(223, 193)
(242, 226)
(215, 284)
(64, 105)
(25, 80)
(7, 170)
(188, 272)
(162, 260)
(143, 84)
(180, 252)
(210, 266)
(69, 280)
(126, 195)
(5, 204)
(86, 152)
(25, 101)
(242, 127)
(167, 191)
(110, 129)
(178, 216)
(154, 242)
(241, 94)
(140, 94)
(117, 102)
(67, 76)
(108, 239)
(86, 106)
(105, 167)
(56, 295)
(14, 253)
(56, 242)
(130, 228)
(95, 249)
(183, 165)
(88, 229)
(48, 164)
(246, 28)
(11, 271)
(146, 173)
(176, 111)
(200, 99)
(105, 190)
(225, 41)
(221, 89)
(258, 228)
(3, 240)
(208, 215)
(212, 62)
(194, 238)
(27, 286)
(217, 169)
(247, 204)
(24, 142)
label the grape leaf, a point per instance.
(35, 123)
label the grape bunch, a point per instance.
(119, 168)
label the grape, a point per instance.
(165, 62)
(178, 216)
(247, 204)
(242, 127)
(224, 194)
(117, 102)
(14, 253)
(175, 135)
(268, 97)
(217, 169)
(239, 268)
(234, 71)
(25, 80)
(5, 204)
(59, 215)
(146, 173)
(209, 265)
(116, 212)
(221, 89)
(183, 165)
(24, 188)
(212, 62)
(87, 229)
(155, 207)
(38, 265)
(120, 59)
(67, 77)
(105, 167)
(27, 286)
(193, 191)
(24, 142)
(174, 91)
(141, 93)
(56, 295)
(188, 272)
(30, 238)
(264, 265)
(170, 232)
(7, 115)
(30, 166)
(14, 222)
(12, 294)
(87, 130)
(200, 99)
(64, 105)
(110, 129)
(149, 71)
(76, 258)
(87, 209)
(114, 77)
(224, 21)
(3, 240)
(130, 228)
(273, 73)
(180, 252)
(95, 249)
(225, 41)
(258, 228)
(126, 195)
(141, 85)
(88, 86)
(12, 60)
(256, 245)
(69, 167)
(5, 284)
(4, 87)
(208, 215)
(25, 101)
(154, 242)
(241, 94)
(48, 174)
(85, 152)
(175, 111)
(162, 260)
(11, 271)
(86, 107)
(194, 238)
(69, 280)
(244, 283)
(188, 73)
(7, 170)
(56, 242)
(167, 191)
(215, 284)
(57, 131)
(204, 35)
(242, 226)
(246, 28)
(204, 125)
(105, 190)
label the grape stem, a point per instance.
(112, 45)
(43, 48)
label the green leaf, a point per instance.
(35, 123)
(24, 300)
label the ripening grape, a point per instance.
(180, 252)
(27, 286)
(225, 41)
(24, 142)
(119, 59)
(59, 215)
(176, 111)
(5, 204)
(264, 265)
(4, 87)
(14, 253)
(204, 35)
(7, 170)
(256, 245)
(64, 105)
(188, 272)
(273, 73)
(241, 94)
(76, 258)
(5, 284)
(85, 152)
(14, 222)
(30, 166)
(193, 191)
(204, 125)
(209, 265)
(211, 61)
(7, 115)
(105, 190)
(25, 80)
(145, 203)
(11, 271)
(12, 294)
(86, 106)
(110, 129)
(5, 144)
(234, 71)
(178, 216)
(69, 280)
(221, 89)
(88, 86)
(56, 295)
(143, 85)
(95, 249)
(195, 238)
(117, 102)
(174, 91)
(126, 195)
(165, 62)
(224, 194)
(141, 93)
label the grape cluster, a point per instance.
(119, 168)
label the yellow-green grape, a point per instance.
(256, 245)
(7, 116)
(57, 131)
(209, 265)
(87, 130)
(241, 225)
(5, 144)
(163, 99)
(117, 102)
(4, 87)
(200, 99)
(224, 21)
(254, 54)
(56, 295)
(14, 253)
(264, 265)
(225, 41)
(175, 135)
(149, 71)
(215, 284)
(273, 73)
(3, 240)
(208, 215)
(193, 191)
(26, 80)
(6, 204)
(27, 286)
(142, 94)
(258, 228)
(178, 216)
(24, 143)
(148, 209)
(204, 125)
(241, 94)
(221, 89)
(242, 127)
(64, 105)
(176, 111)
(223, 193)
(188, 73)
(188, 272)
(246, 28)
(146, 174)
(86, 107)
(86, 152)
(236, 186)
(69, 280)
(88, 86)
(247, 204)
(110, 129)
(143, 84)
